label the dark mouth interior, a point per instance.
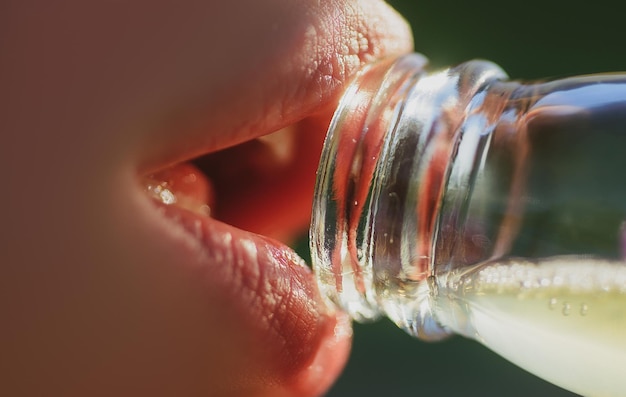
(252, 166)
(264, 185)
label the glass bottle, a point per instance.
(458, 201)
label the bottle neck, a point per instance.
(399, 139)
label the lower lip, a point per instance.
(275, 296)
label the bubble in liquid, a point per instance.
(584, 309)
(552, 303)
(567, 309)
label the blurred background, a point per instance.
(531, 40)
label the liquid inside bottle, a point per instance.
(461, 202)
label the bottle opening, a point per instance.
(380, 181)
(340, 227)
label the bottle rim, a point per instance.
(344, 184)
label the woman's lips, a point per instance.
(275, 296)
(264, 281)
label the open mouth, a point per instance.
(232, 206)
(263, 185)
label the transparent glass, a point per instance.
(460, 202)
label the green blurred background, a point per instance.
(530, 40)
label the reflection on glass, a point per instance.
(460, 202)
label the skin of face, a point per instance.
(105, 292)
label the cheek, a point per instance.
(93, 306)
